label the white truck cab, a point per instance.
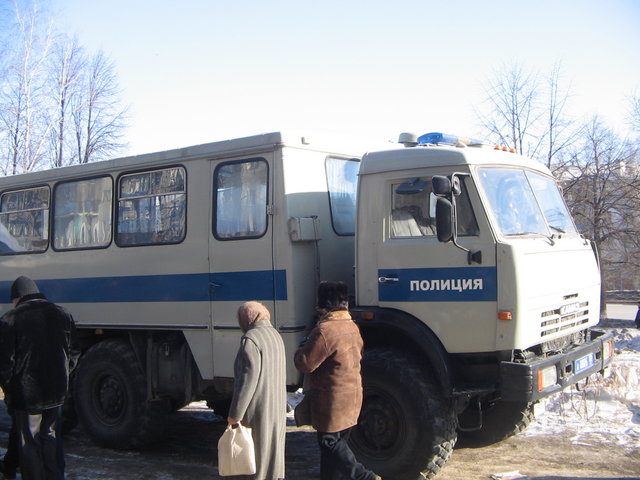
(475, 296)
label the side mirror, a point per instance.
(441, 185)
(444, 220)
(446, 186)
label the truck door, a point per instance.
(431, 280)
(240, 250)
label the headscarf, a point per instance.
(250, 313)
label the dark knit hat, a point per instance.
(22, 287)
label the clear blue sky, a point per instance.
(195, 71)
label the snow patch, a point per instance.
(602, 408)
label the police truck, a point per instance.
(475, 294)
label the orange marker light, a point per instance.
(505, 316)
(367, 315)
(540, 381)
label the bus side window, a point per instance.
(342, 180)
(24, 220)
(152, 207)
(240, 190)
(82, 214)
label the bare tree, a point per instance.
(66, 65)
(634, 114)
(57, 106)
(525, 111)
(23, 98)
(5, 35)
(513, 109)
(560, 132)
(98, 119)
(602, 188)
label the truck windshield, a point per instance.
(525, 203)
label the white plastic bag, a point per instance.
(236, 453)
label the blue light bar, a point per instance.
(437, 138)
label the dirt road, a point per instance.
(187, 452)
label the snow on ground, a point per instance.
(602, 409)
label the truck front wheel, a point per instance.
(406, 428)
(111, 397)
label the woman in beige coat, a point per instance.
(331, 359)
(260, 396)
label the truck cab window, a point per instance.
(241, 200)
(152, 207)
(413, 210)
(467, 224)
(412, 214)
(24, 220)
(552, 204)
(525, 203)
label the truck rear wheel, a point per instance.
(111, 397)
(406, 429)
(500, 420)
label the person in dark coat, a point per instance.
(260, 393)
(38, 350)
(638, 316)
(330, 358)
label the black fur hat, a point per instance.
(333, 296)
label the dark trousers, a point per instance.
(337, 460)
(39, 454)
(12, 457)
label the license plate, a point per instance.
(584, 363)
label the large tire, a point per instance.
(500, 420)
(407, 428)
(111, 398)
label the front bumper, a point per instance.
(520, 381)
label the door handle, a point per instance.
(388, 279)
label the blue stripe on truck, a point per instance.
(193, 287)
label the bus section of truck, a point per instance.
(153, 255)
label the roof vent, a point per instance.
(408, 139)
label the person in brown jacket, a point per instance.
(331, 359)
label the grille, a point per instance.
(565, 317)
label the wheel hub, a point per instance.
(379, 423)
(110, 398)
